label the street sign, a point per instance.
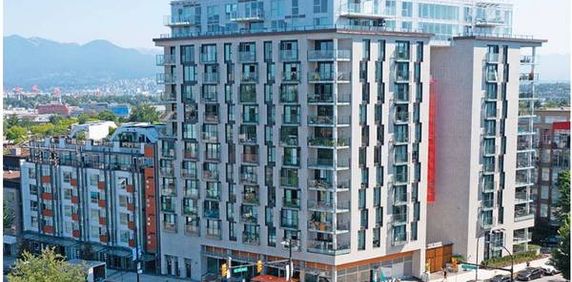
(240, 269)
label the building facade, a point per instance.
(94, 200)
(317, 137)
(443, 18)
(484, 88)
(552, 142)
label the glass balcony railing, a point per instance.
(291, 77)
(212, 77)
(525, 60)
(288, 96)
(211, 213)
(289, 181)
(166, 78)
(248, 97)
(327, 55)
(528, 77)
(328, 142)
(251, 238)
(523, 214)
(399, 218)
(289, 140)
(327, 98)
(327, 120)
(163, 60)
(247, 57)
(291, 202)
(249, 77)
(328, 248)
(288, 55)
(328, 205)
(250, 198)
(493, 58)
(325, 76)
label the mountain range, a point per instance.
(47, 63)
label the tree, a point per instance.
(144, 113)
(46, 267)
(16, 134)
(83, 118)
(561, 255)
(81, 136)
(107, 115)
(563, 205)
(8, 216)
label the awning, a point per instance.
(10, 240)
(50, 239)
(268, 278)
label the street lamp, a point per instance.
(511, 257)
(290, 268)
(477, 264)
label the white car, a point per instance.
(549, 270)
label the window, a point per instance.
(93, 179)
(294, 7)
(94, 196)
(187, 54)
(361, 240)
(406, 9)
(268, 50)
(67, 177)
(320, 6)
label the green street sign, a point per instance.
(240, 269)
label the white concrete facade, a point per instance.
(483, 187)
(324, 191)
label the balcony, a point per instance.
(488, 21)
(165, 60)
(250, 158)
(247, 96)
(288, 55)
(247, 138)
(250, 198)
(208, 58)
(491, 76)
(488, 204)
(328, 77)
(328, 164)
(192, 229)
(249, 217)
(246, 57)
(492, 58)
(189, 173)
(291, 77)
(212, 77)
(255, 15)
(289, 140)
(248, 178)
(528, 60)
(362, 11)
(166, 78)
(528, 77)
(521, 214)
(289, 181)
(328, 120)
(328, 98)
(328, 248)
(174, 21)
(210, 175)
(291, 203)
(330, 142)
(167, 171)
(320, 184)
(399, 218)
(251, 238)
(522, 198)
(328, 55)
(328, 206)
(169, 97)
(526, 95)
(211, 117)
(288, 96)
(402, 117)
(211, 213)
(402, 54)
(249, 77)
(210, 138)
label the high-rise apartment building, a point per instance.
(552, 142)
(484, 89)
(94, 200)
(309, 121)
(444, 18)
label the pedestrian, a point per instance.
(444, 274)
(527, 264)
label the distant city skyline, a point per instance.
(133, 23)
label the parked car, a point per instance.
(499, 278)
(549, 270)
(528, 274)
(552, 241)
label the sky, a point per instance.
(133, 23)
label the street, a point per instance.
(555, 278)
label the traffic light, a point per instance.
(259, 266)
(224, 270)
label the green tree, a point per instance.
(107, 116)
(46, 267)
(81, 136)
(561, 255)
(563, 205)
(8, 216)
(16, 134)
(83, 118)
(144, 113)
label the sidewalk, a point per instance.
(123, 276)
(462, 276)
